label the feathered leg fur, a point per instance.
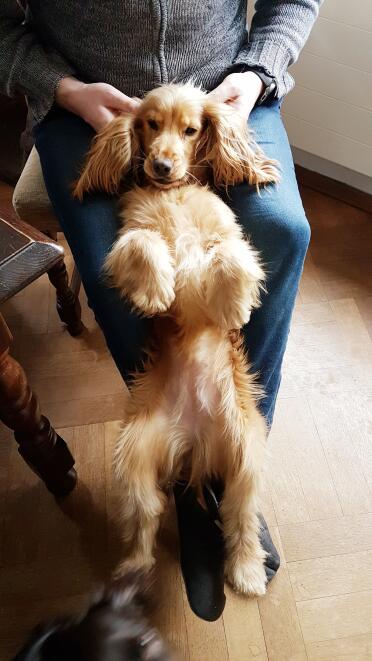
(243, 431)
(244, 555)
(142, 500)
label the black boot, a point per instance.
(201, 555)
(202, 550)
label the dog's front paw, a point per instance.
(157, 294)
(141, 267)
(232, 284)
(248, 577)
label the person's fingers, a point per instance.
(119, 101)
(125, 105)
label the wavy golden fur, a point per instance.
(182, 257)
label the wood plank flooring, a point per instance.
(318, 482)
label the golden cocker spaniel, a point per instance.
(182, 256)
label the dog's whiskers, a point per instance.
(189, 174)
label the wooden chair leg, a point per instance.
(75, 283)
(68, 305)
(38, 443)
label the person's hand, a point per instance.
(239, 90)
(96, 103)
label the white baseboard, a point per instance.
(332, 170)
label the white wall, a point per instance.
(329, 114)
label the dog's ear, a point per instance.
(227, 146)
(109, 158)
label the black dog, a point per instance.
(113, 628)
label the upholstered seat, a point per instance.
(30, 198)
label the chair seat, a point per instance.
(30, 198)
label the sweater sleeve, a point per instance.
(26, 66)
(277, 34)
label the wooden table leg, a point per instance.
(68, 305)
(38, 443)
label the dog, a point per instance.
(114, 626)
(182, 257)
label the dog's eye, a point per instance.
(153, 124)
(190, 130)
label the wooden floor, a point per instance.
(318, 493)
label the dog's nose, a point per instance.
(162, 166)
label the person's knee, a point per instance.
(290, 233)
(299, 233)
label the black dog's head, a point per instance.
(113, 628)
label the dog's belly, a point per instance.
(192, 395)
(191, 404)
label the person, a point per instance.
(80, 64)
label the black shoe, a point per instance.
(201, 555)
(202, 550)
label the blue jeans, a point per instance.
(274, 220)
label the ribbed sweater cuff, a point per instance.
(273, 58)
(40, 79)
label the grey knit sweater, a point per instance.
(137, 44)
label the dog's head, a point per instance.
(113, 628)
(176, 131)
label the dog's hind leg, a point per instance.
(142, 505)
(244, 555)
(142, 500)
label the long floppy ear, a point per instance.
(109, 158)
(227, 146)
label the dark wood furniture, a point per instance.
(25, 254)
(32, 204)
